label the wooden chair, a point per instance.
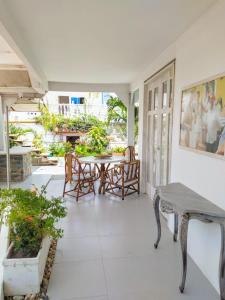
(79, 174)
(75, 166)
(123, 179)
(130, 153)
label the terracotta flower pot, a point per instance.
(117, 154)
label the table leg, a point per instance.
(175, 227)
(156, 202)
(102, 178)
(222, 264)
(183, 243)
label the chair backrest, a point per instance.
(130, 170)
(130, 153)
(68, 166)
(81, 168)
(75, 164)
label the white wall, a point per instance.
(121, 89)
(200, 54)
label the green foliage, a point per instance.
(117, 111)
(15, 133)
(97, 139)
(136, 116)
(60, 149)
(46, 119)
(30, 217)
(117, 116)
(84, 150)
(38, 141)
(84, 123)
(56, 122)
(94, 142)
(118, 150)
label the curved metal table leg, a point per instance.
(156, 202)
(183, 243)
(222, 264)
(175, 227)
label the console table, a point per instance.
(181, 201)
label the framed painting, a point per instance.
(203, 117)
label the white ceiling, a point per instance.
(101, 41)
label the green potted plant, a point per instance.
(31, 218)
(95, 141)
(118, 151)
(60, 149)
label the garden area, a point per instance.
(95, 136)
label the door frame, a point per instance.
(171, 64)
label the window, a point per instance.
(64, 100)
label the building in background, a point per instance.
(72, 104)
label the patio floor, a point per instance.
(107, 253)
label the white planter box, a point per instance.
(23, 276)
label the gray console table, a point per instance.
(181, 201)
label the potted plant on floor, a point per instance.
(32, 221)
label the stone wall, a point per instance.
(20, 167)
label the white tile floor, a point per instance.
(107, 254)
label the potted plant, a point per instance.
(59, 150)
(31, 218)
(118, 151)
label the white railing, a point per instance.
(74, 110)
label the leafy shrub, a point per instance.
(56, 122)
(94, 142)
(30, 217)
(46, 119)
(16, 132)
(60, 149)
(38, 141)
(84, 122)
(117, 116)
(84, 150)
(118, 150)
(97, 139)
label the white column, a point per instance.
(2, 138)
(130, 122)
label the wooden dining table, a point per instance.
(102, 164)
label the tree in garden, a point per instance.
(117, 115)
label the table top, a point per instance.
(95, 160)
(184, 200)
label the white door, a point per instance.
(159, 103)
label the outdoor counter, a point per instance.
(20, 164)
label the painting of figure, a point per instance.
(203, 117)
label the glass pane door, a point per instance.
(164, 149)
(159, 109)
(155, 174)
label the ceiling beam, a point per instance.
(9, 31)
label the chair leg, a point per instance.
(123, 193)
(79, 189)
(93, 187)
(78, 193)
(64, 188)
